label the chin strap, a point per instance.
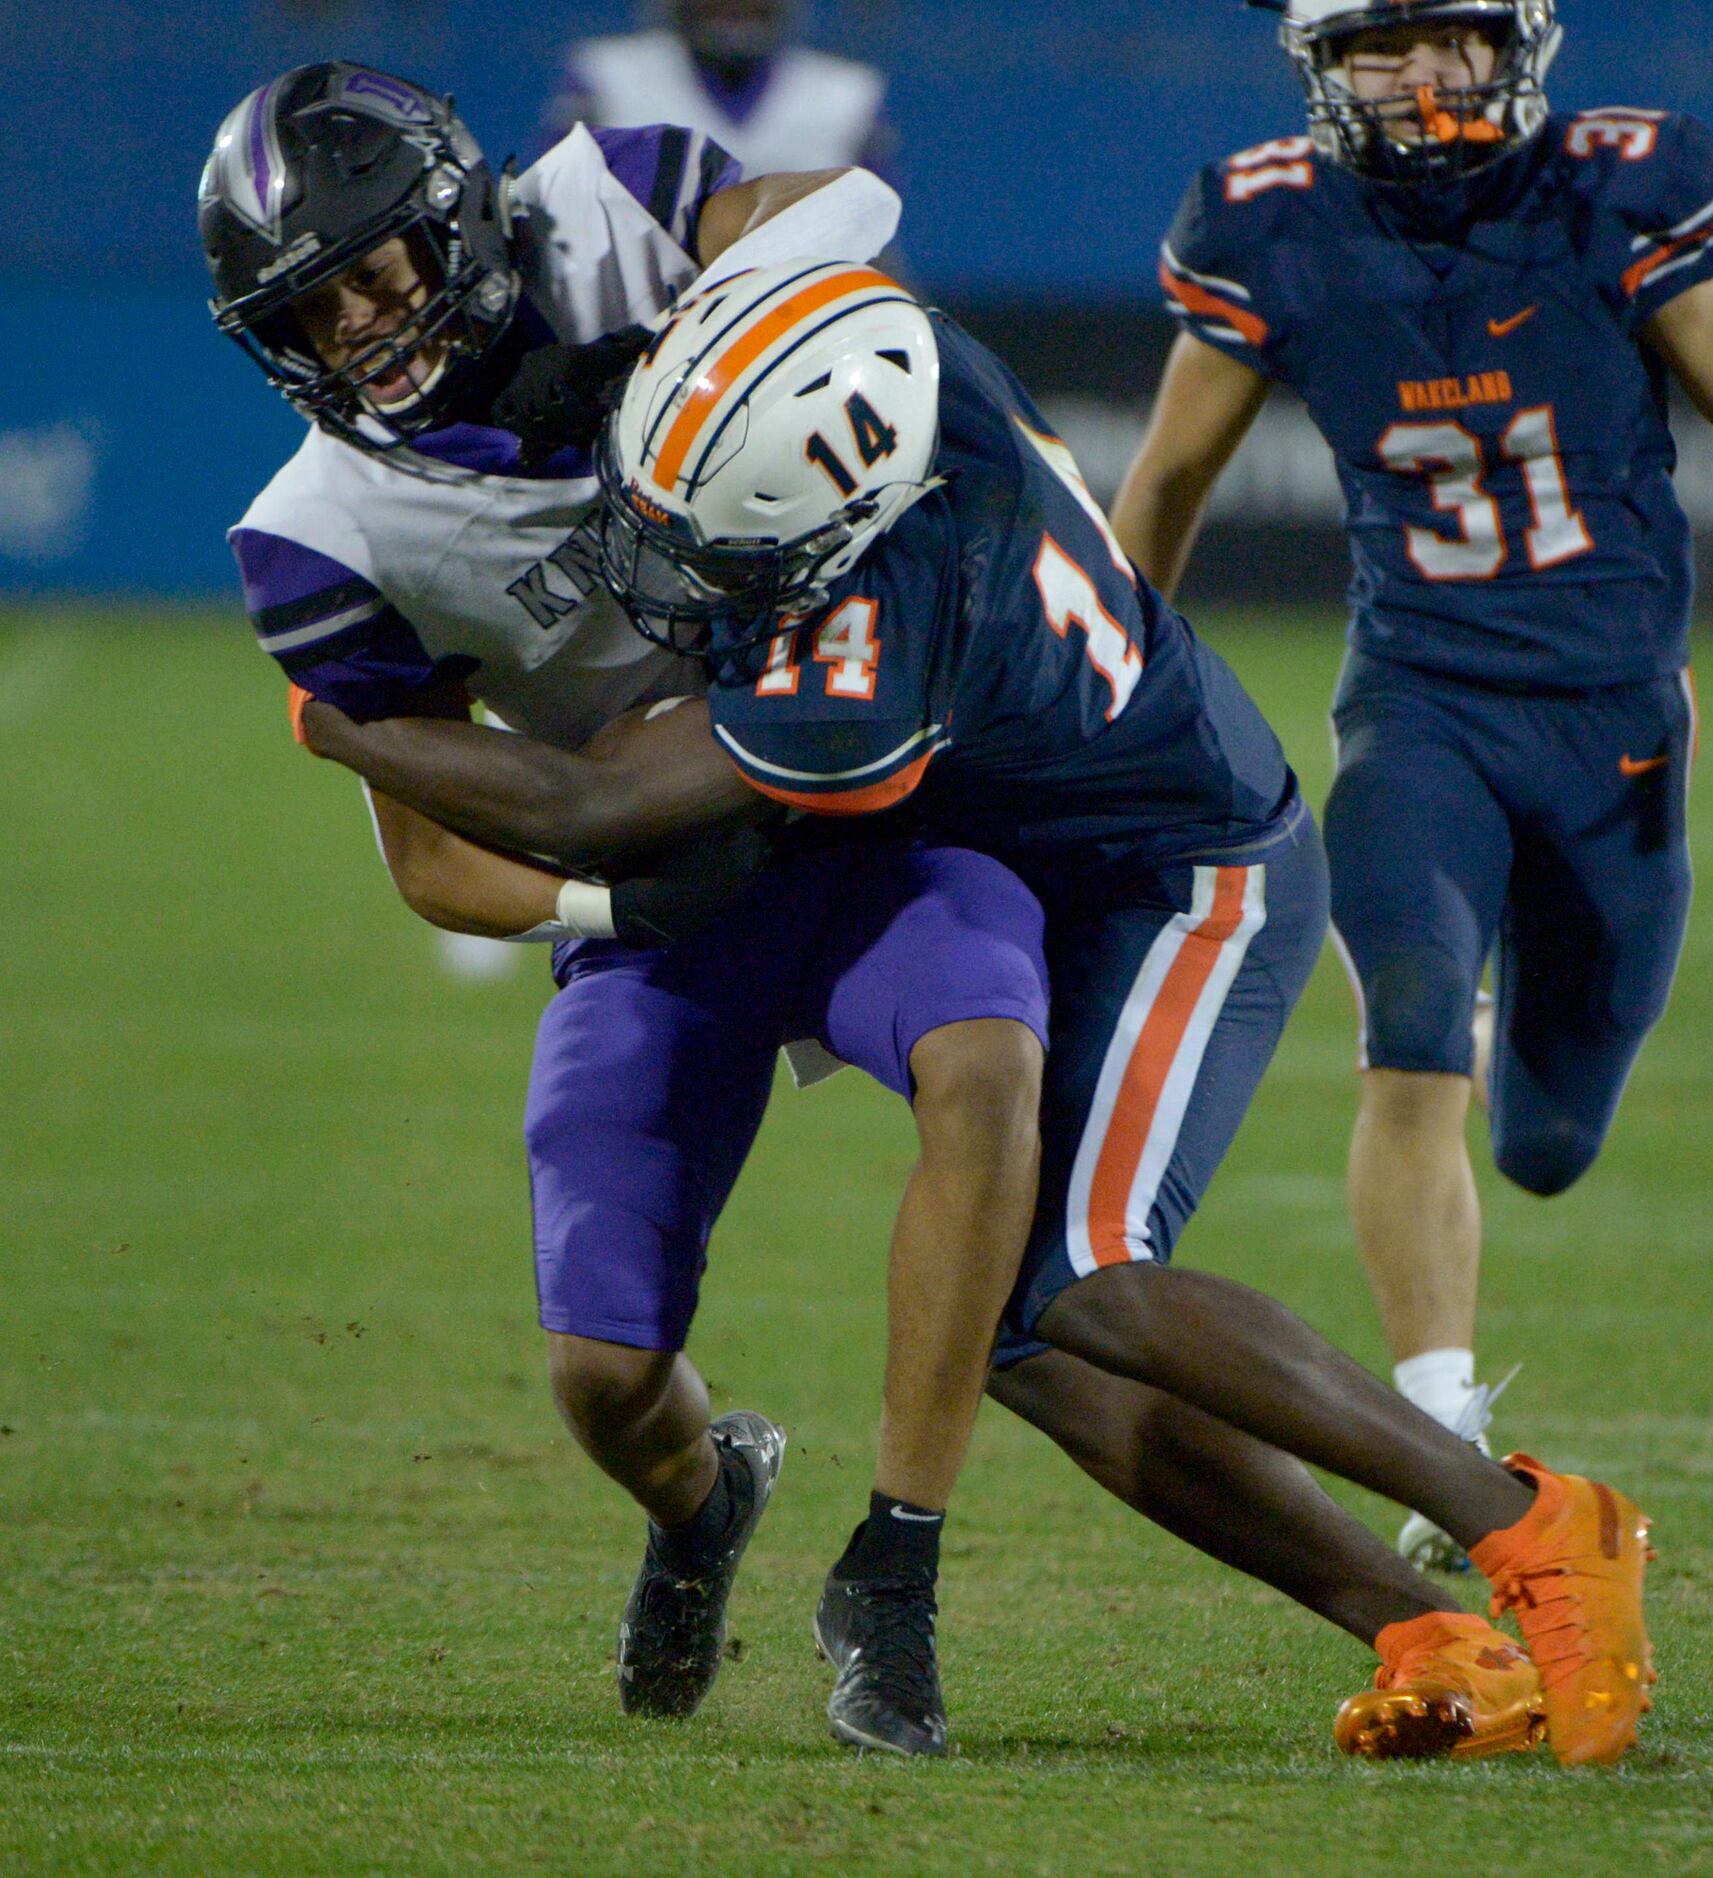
(1444, 128)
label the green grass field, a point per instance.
(298, 1574)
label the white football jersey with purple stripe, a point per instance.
(371, 577)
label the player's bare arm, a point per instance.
(459, 885)
(1205, 407)
(614, 801)
(1681, 332)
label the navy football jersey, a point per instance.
(1499, 426)
(995, 659)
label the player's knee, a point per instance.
(978, 1088)
(1419, 1014)
(1117, 1319)
(1545, 1158)
(604, 1386)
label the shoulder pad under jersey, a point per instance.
(1214, 263)
(1652, 171)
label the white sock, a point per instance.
(1439, 1382)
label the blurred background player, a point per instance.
(728, 68)
(1480, 304)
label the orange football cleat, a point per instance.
(1448, 1684)
(1571, 1572)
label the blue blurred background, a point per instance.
(1041, 149)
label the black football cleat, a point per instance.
(672, 1638)
(879, 1635)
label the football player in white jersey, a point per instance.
(414, 549)
(726, 67)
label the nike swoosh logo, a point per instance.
(1502, 329)
(918, 1519)
(1630, 766)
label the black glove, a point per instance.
(689, 887)
(560, 395)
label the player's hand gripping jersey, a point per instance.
(1475, 363)
(995, 659)
(377, 578)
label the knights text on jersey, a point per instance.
(995, 660)
(1478, 365)
(373, 577)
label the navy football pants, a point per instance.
(1166, 1012)
(1547, 831)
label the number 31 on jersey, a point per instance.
(1454, 463)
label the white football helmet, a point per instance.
(781, 421)
(1464, 128)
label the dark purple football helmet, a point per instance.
(311, 173)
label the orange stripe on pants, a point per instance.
(1151, 1063)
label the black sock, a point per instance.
(705, 1531)
(897, 1540)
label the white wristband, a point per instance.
(586, 911)
(849, 219)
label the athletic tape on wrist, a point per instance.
(586, 911)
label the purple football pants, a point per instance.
(652, 1069)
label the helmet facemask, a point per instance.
(711, 599)
(1436, 135)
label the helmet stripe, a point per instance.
(259, 191)
(806, 334)
(713, 384)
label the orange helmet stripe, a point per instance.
(716, 380)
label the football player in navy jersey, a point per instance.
(914, 614)
(449, 335)
(1482, 304)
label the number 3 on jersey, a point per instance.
(1454, 463)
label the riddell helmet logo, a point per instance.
(387, 97)
(300, 250)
